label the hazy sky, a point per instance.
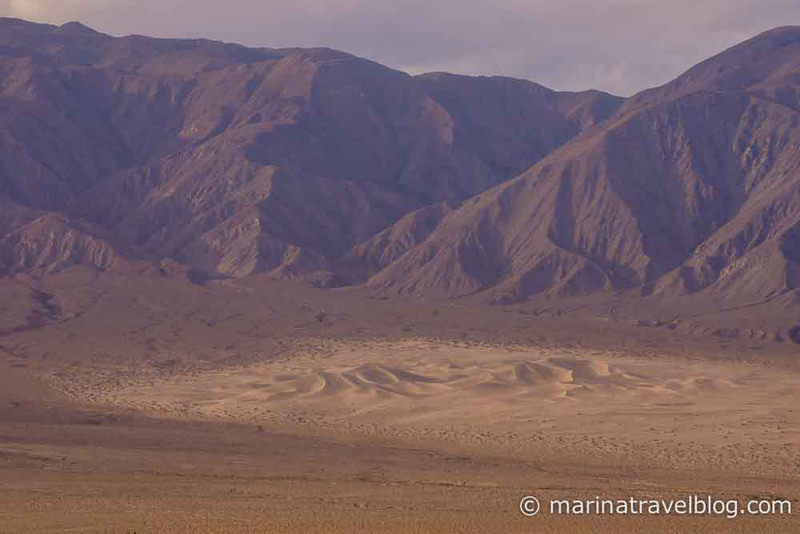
(621, 46)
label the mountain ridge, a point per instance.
(216, 155)
(605, 228)
(314, 164)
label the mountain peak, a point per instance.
(318, 165)
(762, 60)
(75, 27)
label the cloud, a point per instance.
(617, 45)
(54, 11)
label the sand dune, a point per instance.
(599, 406)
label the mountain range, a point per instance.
(317, 165)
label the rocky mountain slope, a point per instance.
(318, 165)
(235, 160)
(690, 188)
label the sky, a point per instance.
(619, 46)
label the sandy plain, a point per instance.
(165, 412)
(521, 401)
(418, 436)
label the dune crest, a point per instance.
(543, 401)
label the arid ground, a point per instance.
(294, 290)
(329, 425)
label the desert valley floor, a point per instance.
(144, 408)
(413, 436)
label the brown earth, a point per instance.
(135, 401)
